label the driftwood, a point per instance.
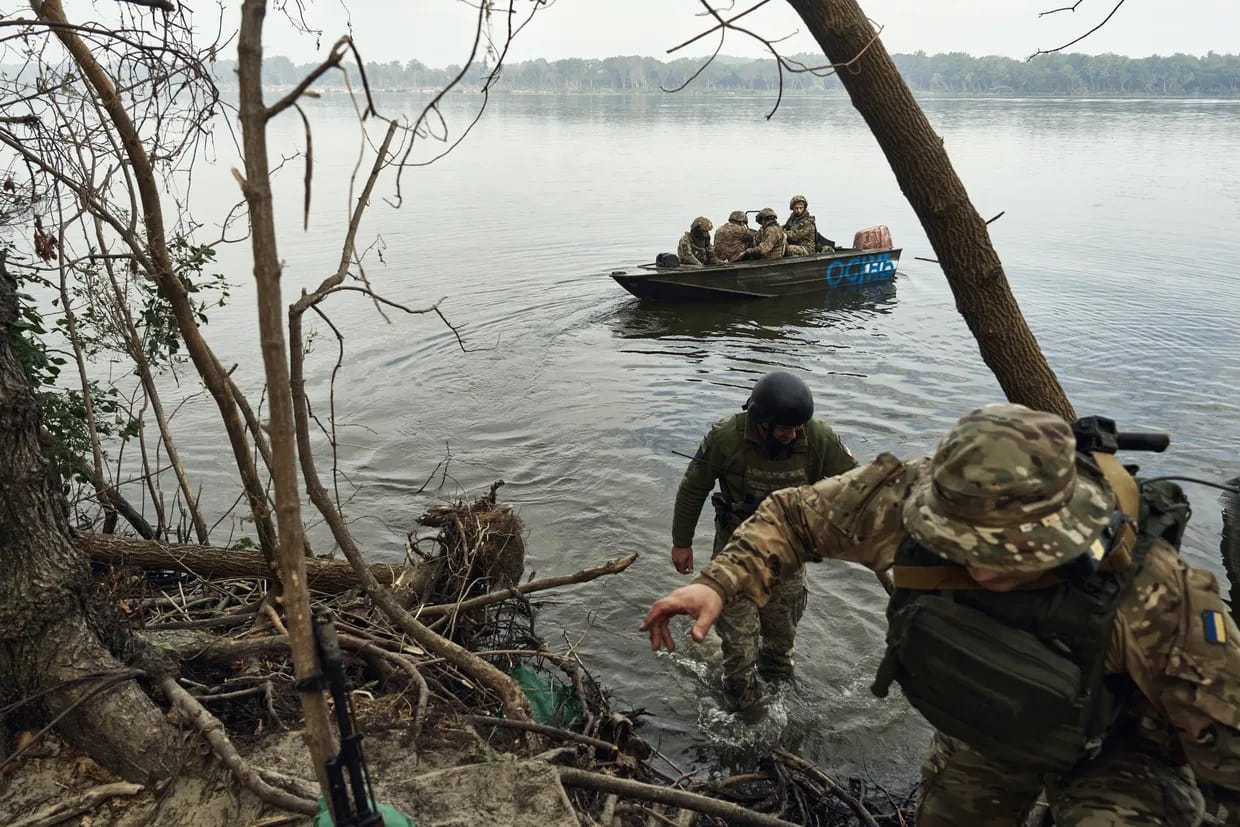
(829, 785)
(731, 813)
(76, 804)
(196, 715)
(610, 567)
(542, 729)
(212, 562)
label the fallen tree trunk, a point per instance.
(212, 562)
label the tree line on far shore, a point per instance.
(1056, 74)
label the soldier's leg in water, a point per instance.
(778, 623)
(959, 787)
(1129, 783)
(738, 636)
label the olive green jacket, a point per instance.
(722, 457)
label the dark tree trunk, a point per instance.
(925, 174)
(46, 636)
(212, 562)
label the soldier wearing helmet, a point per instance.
(801, 229)
(773, 443)
(771, 242)
(1042, 621)
(695, 248)
(733, 237)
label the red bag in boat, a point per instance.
(873, 238)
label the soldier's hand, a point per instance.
(682, 559)
(700, 602)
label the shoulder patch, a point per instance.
(1213, 626)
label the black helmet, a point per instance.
(780, 398)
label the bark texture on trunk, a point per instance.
(45, 636)
(925, 174)
(212, 562)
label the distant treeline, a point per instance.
(954, 73)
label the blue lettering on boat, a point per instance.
(860, 269)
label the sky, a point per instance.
(438, 32)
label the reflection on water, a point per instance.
(580, 397)
(775, 318)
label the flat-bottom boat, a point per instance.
(762, 278)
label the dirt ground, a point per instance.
(452, 781)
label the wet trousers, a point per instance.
(758, 637)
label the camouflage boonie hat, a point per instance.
(766, 212)
(703, 223)
(739, 215)
(1003, 494)
(792, 203)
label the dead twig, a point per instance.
(541, 729)
(798, 763)
(731, 813)
(610, 567)
(67, 808)
(405, 665)
(197, 716)
(1079, 39)
(1062, 8)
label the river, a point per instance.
(1118, 236)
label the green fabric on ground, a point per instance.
(552, 703)
(391, 816)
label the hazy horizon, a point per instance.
(736, 58)
(439, 32)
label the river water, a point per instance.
(1118, 237)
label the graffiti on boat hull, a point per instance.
(861, 269)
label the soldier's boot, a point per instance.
(775, 666)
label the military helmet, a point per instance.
(779, 398)
(702, 223)
(1003, 493)
(767, 212)
(801, 199)
(739, 215)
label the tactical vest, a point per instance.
(760, 475)
(1020, 676)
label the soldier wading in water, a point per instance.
(1042, 621)
(774, 443)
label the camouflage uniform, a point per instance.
(748, 468)
(695, 249)
(734, 237)
(801, 230)
(771, 242)
(1183, 721)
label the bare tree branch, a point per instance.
(1079, 39)
(782, 64)
(1064, 8)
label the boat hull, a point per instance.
(761, 279)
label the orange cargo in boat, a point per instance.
(877, 237)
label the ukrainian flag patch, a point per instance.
(1214, 625)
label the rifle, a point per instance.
(348, 779)
(1097, 433)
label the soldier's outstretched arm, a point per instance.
(854, 517)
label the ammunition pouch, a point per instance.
(999, 689)
(1020, 676)
(728, 515)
